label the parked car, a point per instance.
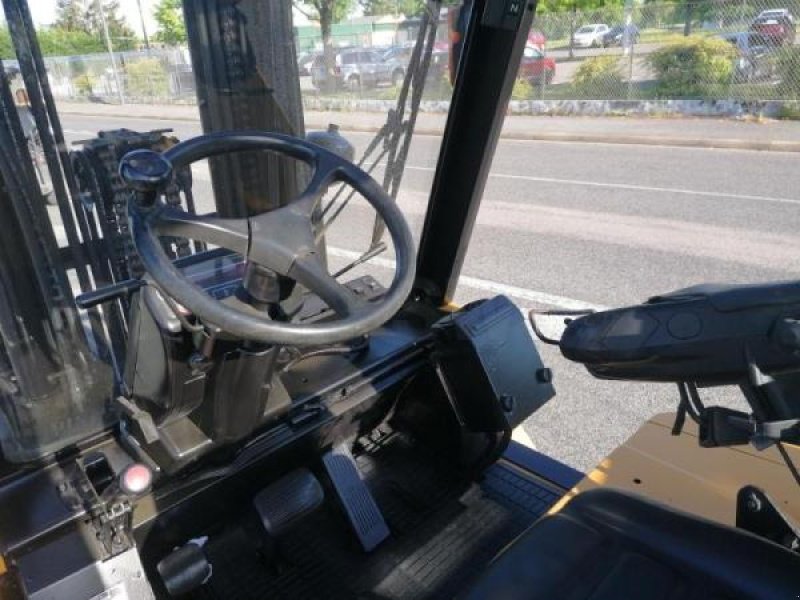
(536, 39)
(590, 36)
(536, 66)
(755, 59)
(357, 67)
(777, 13)
(400, 54)
(777, 30)
(616, 35)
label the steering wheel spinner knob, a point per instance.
(145, 170)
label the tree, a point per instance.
(86, 16)
(392, 7)
(554, 6)
(326, 12)
(171, 26)
(56, 42)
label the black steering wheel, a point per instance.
(281, 240)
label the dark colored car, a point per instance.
(755, 59)
(355, 68)
(536, 66)
(616, 35)
(777, 30)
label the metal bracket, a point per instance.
(758, 514)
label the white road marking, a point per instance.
(628, 186)
(80, 132)
(486, 285)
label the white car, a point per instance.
(777, 13)
(590, 36)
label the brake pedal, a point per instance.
(359, 505)
(288, 500)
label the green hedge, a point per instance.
(788, 70)
(147, 78)
(599, 77)
(693, 67)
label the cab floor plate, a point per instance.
(444, 530)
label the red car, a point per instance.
(536, 66)
(536, 39)
(778, 30)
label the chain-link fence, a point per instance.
(159, 75)
(710, 49)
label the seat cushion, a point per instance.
(607, 544)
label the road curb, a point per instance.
(537, 136)
(720, 143)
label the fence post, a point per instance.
(111, 54)
(573, 16)
(628, 43)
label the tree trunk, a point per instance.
(687, 26)
(325, 26)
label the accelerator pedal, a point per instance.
(287, 500)
(359, 505)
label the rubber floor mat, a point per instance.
(443, 532)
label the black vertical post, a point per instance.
(490, 58)
(246, 79)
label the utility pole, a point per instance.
(110, 49)
(628, 39)
(573, 17)
(144, 29)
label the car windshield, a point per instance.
(619, 172)
(532, 52)
(347, 100)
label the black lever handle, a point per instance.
(109, 292)
(145, 172)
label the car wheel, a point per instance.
(397, 77)
(354, 83)
(548, 76)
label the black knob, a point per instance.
(145, 170)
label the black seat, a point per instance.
(610, 545)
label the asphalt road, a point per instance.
(573, 224)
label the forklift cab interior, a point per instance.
(193, 406)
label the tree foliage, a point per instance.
(325, 12)
(56, 42)
(86, 16)
(171, 26)
(391, 7)
(552, 6)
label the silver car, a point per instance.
(355, 68)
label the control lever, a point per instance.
(535, 317)
(109, 292)
(115, 517)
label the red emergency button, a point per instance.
(135, 479)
